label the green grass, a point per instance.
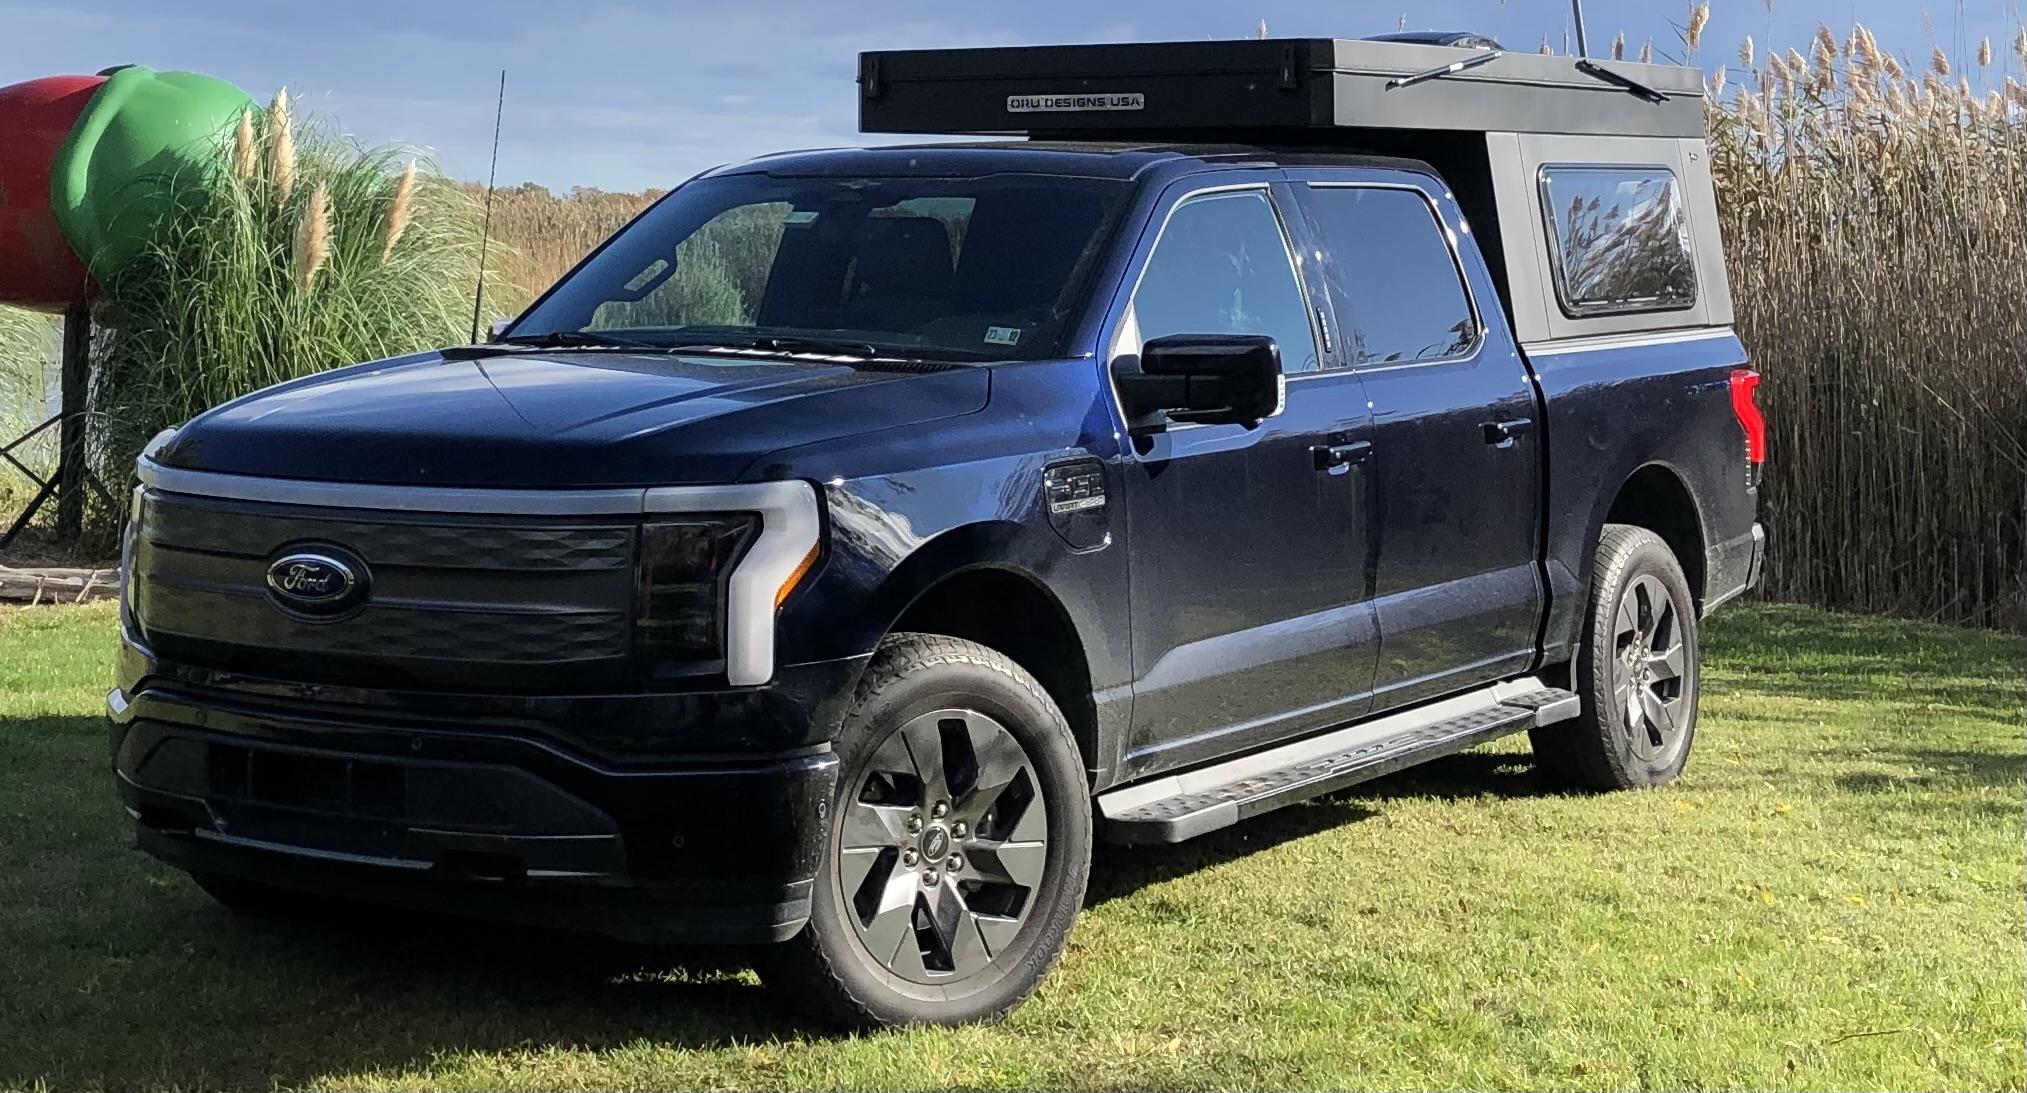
(1831, 898)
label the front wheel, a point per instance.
(1637, 672)
(958, 850)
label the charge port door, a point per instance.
(1075, 495)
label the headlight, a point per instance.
(783, 524)
(681, 599)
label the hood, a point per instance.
(561, 419)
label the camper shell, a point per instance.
(1491, 122)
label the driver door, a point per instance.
(1251, 618)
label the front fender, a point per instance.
(892, 537)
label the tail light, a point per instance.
(1745, 386)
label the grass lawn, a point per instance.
(1831, 898)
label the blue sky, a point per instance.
(625, 95)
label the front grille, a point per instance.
(552, 635)
(175, 520)
(454, 602)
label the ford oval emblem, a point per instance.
(318, 582)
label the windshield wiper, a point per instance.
(861, 355)
(807, 346)
(819, 345)
(578, 339)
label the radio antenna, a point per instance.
(486, 229)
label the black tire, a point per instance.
(882, 843)
(1636, 729)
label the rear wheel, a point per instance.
(959, 845)
(1637, 671)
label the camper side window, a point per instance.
(1618, 239)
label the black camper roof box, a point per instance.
(1268, 84)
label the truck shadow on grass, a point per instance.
(1119, 871)
(1928, 768)
(344, 991)
(123, 974)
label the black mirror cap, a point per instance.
(1204, 379)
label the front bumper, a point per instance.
(483, 819)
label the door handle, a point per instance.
(1501, 433)
(1331, 456)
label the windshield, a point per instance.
(988, 268)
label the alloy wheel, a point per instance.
(1649, 672)
(942, 846)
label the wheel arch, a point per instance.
(941, 588)
(1657, 497)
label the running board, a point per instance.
(1183, 806)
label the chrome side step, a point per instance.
(1182, 806)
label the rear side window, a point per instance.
(1618, 239)
(1222, 267)
(1392, 275)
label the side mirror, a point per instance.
(497, 329)
(1203, 379)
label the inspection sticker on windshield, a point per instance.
(1002, 335)
(1048, 104)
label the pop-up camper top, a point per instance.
(1489, 121)
(1258, 87)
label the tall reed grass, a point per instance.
(297, 253)
(1875, 215)
(25, 342)
(27, 352)
(544, 234)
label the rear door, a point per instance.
(1456, 453)
(1250, 618)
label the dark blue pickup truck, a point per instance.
(849, 542)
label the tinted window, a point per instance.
(1222, 267)
(715, 276)
(1392, 275)
(958, 268)
(1619, 239)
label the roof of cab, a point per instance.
(1127, 161)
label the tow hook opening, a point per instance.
(169, 820)
(481, 866)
